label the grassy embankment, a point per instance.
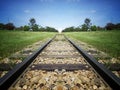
(107, 41)
(12, 41)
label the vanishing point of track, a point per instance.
(59, 65)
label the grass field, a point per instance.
(107, 41)
(12, 41)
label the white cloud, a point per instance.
(93, 11)
(27, 11)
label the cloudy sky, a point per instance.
(59, 13)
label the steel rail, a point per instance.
(112, 80)
(9, 78)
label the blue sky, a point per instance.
(59, 13)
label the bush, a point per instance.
(9, 26)
(93, 28)
(26, 28)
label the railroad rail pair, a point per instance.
(7, 80)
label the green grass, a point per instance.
(12, 41)
(107, 41)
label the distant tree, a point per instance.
(47, 29)
(93, 28)
(2, 26)
(110, 26)
(19, 28)
(50, 29)
(84, 27)
(42, 29)
(100, 28)
(77, 29)
(9, 26)
(35, 27)
(87, 23)
(26, 28)
(69, 29)
(117, 26)
(32, 23)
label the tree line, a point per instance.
(32, 26)
(87, 26)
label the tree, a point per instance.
(84, 27)
(32, 23)
(117, 26)
(93, 28)
(9, 26)
(26, 28)
(21, 28)
(110, 26)
(35, 27)
(2, 26)
(50, 29)
(87, 23)
(77, 29)
(69, 29)
(42, 29)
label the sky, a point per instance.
(59, 14)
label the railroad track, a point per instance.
(60, 65)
